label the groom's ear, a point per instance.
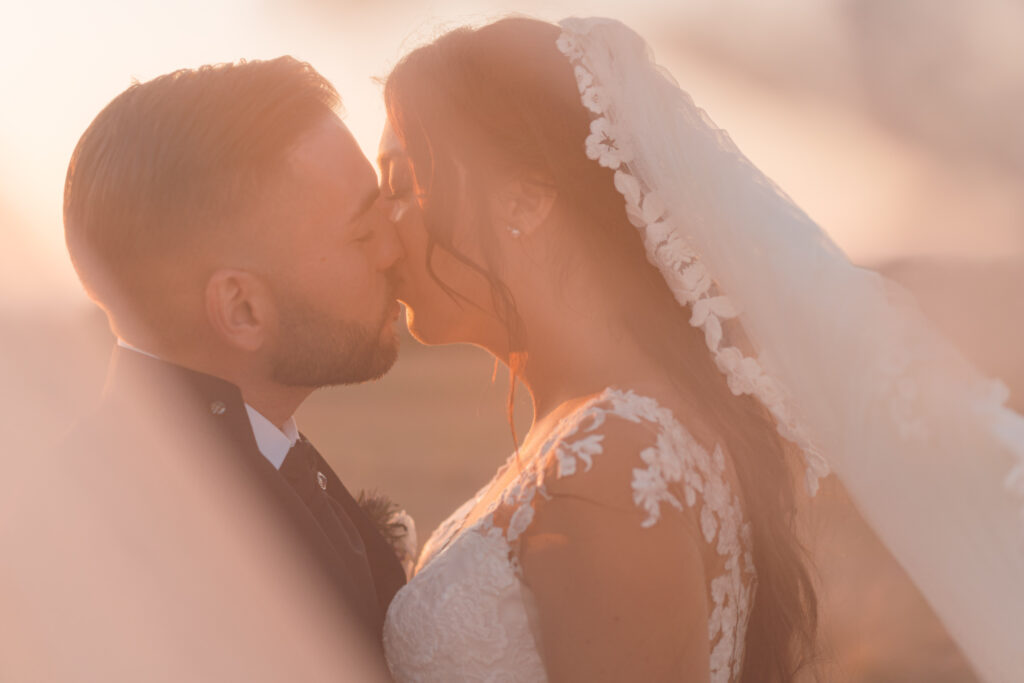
(239, 308)
(524, 203)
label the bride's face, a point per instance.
(460, 310)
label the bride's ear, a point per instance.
(239, 308)
(524, 204)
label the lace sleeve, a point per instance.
(630, 543)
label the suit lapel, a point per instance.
(212, 411)
(388, 574)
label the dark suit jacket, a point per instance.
(202, 420)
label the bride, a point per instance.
(685, 334)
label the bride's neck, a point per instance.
(578, 350)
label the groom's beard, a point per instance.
(316, 351)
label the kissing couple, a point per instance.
(693, 345)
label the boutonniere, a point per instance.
(394, 524)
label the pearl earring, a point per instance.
(514, 231)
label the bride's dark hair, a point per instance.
(478, 106)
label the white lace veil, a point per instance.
(850, 371)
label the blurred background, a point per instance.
(895, 123)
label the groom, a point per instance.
(226, 221)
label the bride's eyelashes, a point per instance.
(399, 198)
(397, 187)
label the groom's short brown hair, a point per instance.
(174, 157)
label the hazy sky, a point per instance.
(63, 61)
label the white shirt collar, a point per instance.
(272, 442)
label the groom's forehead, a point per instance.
(329, 161)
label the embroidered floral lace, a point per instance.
(469, 613)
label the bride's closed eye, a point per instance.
(396, 181)
(397, 188)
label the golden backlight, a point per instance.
(876, 135)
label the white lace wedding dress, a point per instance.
(469, 614)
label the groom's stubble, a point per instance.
(318, 351)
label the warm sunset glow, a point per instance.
(907, 154)
(65, 60)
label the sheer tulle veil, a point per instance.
(851, 373)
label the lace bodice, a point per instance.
(469, 613)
